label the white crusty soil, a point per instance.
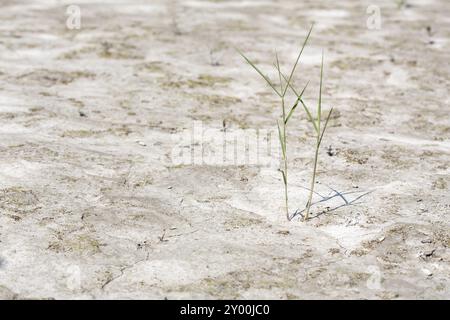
(92, 206)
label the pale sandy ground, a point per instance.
(91, 205)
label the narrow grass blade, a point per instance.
(325, 126)
(291, 112)
(298, 58)
(284, 176)
(319, 107)
(310, 117)
(299, 98)
(290, 84)
(280, 136)
(260, 73)
(279, 72)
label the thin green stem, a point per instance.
(279, 73)
(318, 142)
(285, 169)
(313, 180)
(319, 107)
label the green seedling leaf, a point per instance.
(279, 72)
(325, 126)
(284, 176)
(260, 73)
(299, 98)
(319, 106)
(291, 112)
(298, 58)
(280, 136)
(310, 118)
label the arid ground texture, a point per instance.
(93, 205)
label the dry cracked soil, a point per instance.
(93, 204)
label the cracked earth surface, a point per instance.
(91, 205)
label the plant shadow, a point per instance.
(333, 194)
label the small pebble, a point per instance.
(429, 253)
(141, 143)
(427, 272)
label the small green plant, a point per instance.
(285, 83)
